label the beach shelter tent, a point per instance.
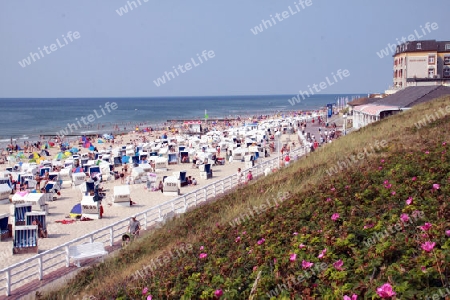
(78, 178)
(18, 212)
(66, 177)
(5, 191)
(161, 164)
(5, 228)
(125, 159)
(90, 208)
(37, 200)
(38, 216)
(76, 211)
(171, 186)
(122, 195)
(25, 239)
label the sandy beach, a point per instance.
(59, 210)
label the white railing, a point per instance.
(38, 266)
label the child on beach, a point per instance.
(240, 176)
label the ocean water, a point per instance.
(23, 119)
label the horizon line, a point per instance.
(149, 97)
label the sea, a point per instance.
(28, 119)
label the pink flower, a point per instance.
(201, 248)
(354, 297)
(414, 178)
(293, 257)
(427, 152)
(386, 182)
(428, 246)
(149, 297)
(255, 268)
(295, 233)
(426, 227)
(301, 246)
(306, 264)
(424, 269)
(328, 199)
(404, 217)
(145, 291)
(261, 241)
(203, 255)
(447, 233)
(347, 187)
(338, 265)
(335, 216)
(244, 232)
(380, 168)
(385, 291)
(388, 186)
(370, 225)
(393, 193)
(218, 293)
(436, 186)
(274, 260)
(238, 239)
(444, 143)
(333, 189)
(382, 161)
(424, 235)
(322, 254)
(409, 201)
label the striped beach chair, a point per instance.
(25, 239)
(19, 213)
(5, 227)
(39, 217)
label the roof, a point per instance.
(362, 101)
(414, 95)
(426, 46)
(374, 110)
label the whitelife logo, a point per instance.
(71, 127)
(162, 80)
(265, 24)
(53, 47)
(411, 38)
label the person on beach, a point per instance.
(134, 227)
(122, 177)
(194, 181)
(161, 186)
(240, 176)
(249, 176)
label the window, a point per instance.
(431, 59)
(419, 46)
(447, 60)
(447, 46)
(430, 73)
(447, 72)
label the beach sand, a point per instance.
(58, 210)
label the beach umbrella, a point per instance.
(20, 155)
(76, 211)
(59, 156)
(91, 148)
(74, 150)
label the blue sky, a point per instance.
(122, 56)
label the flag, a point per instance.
(206, 115)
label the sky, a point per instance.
(113, 53)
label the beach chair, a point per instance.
(25, 239)
(19, 211)
(184, 155)
(41, 218)
(90, 187)
(206, 173)
(173, 160)
(5, 227)
(44, 170)
(183, 178)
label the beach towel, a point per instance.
(65, 221)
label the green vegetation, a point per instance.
(273, 248)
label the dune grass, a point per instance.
(302, 198)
